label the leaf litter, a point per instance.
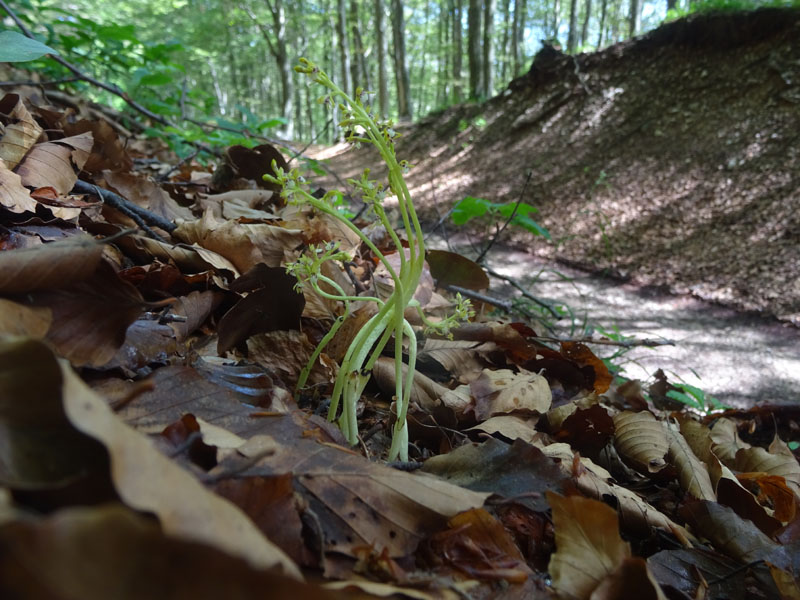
(147, 411)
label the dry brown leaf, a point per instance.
(641, 440)
(425, 392)
(90, 318)
(510, 427)
(56, 164)
(245, 245)
(110, 551)
(184, 507)
(692, 473)
(147, 194)
(632, 579)
(20, 134)
(503, 391)
(788, 583)
(17, 319)
(588, 545)
(725, 442)
(456, 357)
(698, 436)
(108, 151)
(190, 259)
(779, 460)
(49, 266)
(13, 195)
(237, 203)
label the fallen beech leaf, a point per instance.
(456, 358)
(196, 307)
(275, 306)
(245, 245)
(641, 440)
(13, 195)
(788, 583)
(90, 318)
(772, 491)
(518, 472)
(20, 134)
(509, 426)
(184, 507)
(107, 151)
(49, 266)
(478, 545)
(147, 194)
(581, 354)
(189, 259)
(237, 203)
(425, 392)
(692, 474)
(56, 163)
(503, 391)
(698, 436)
(17, 319)
(110, 551)
(38, 447)
(632, 579)
(588, 545)
(449, 268)
(725, 442)
(772, 462)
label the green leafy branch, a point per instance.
(389, 322)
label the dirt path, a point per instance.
(737, 357)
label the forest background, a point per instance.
(222, 68)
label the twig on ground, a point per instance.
(607, 342)
(525, 292)
(139, 215)
(473, 295)
(502, 228)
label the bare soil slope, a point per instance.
(673, 159)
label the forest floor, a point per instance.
(672, 162)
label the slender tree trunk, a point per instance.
(603, 9)
(488, 48)
(516, 34)
(344, 50)
(572, 36)
(400, 64)
(442, 27)
(556, 19)
(458, 50)
(380, 42)
(634, 18)
(285, 69)
(424, 61)
(585, 28)
(504, 45)
(360, 74)
(474, 48)
(672, 4)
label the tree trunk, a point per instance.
(504, 45)
(380, 41)
(400, 65)
(556, 19)
(442, 39)
(488, 47)
(458, 50)
(572, 36)
(358, 69)
(424, 60)
(585, 28)
(516, 34)
(282, 57)
(603, 9)
(474, 48)
(344, 50)
(634, 19)
(672, 4)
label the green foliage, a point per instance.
(695, 398)
(708, 6)
(15, 47)
(518, 214)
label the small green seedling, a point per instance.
(519, 214)
(354, 373)
(696, 398)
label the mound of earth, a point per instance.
(672, 159)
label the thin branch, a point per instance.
(606, 342)
(502, 304)
(524, 292)
(140, 216)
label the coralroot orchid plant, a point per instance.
(389, 321)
